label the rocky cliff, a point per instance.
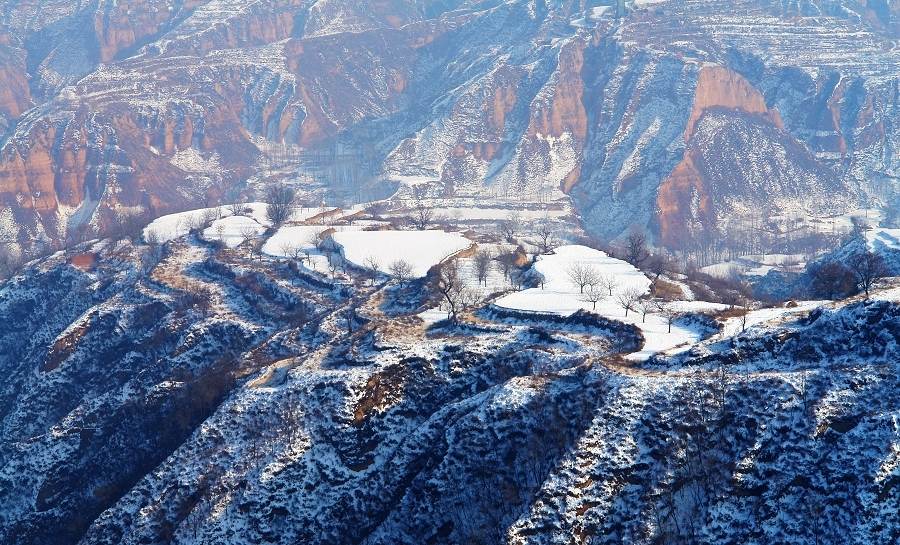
(188, 394)
(102, 103)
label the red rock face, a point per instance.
(487, 100)
(720, 87)
(684, 196)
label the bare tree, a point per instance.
(668, 313)
(374, 267)
(582, 275)
(483, 259)
(207, 216)
(658, 266)
(280, 201)
(546, 237)
(333, 263)
(316, 239)
(293, 251)
(152, 238)
(832, 280)
(608, 282)
(645, 307)
(636, 248)
(249, 234)
(744, 316)
(452, 288)
(401, 270)
(594, 296)
(220, 232)
(628, 298)
(422, 215)
(510, 226)
(868, 268)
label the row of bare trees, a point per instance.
(596, 287)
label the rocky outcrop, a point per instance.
(514, 100)
(186, 394)
(721, 87)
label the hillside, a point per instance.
(195, 392)
(673, 117)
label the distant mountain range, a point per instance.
(674, 116)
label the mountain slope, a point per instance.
(196, 394)
(513, 99)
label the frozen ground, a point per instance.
(884, 239)
(422, 249)
(300, 237)
(756, 265)
(560, 296)
(233, 230)
(769, 316)
(172, 226)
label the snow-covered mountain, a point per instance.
(189, 393)
(673, 115)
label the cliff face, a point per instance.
(191, 395)
(101, 103)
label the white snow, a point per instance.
(883, 239)
(487, 213)
(300, 237)
(172, 226)
(233, 230)
(422, 249)
(733, 325)
(560, 296)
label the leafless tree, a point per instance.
(868, 268)
(645, 307)
(658, 266)
(636, 248)
(607, 282)
(334, 263)
(453, 290)
(316, 239)
(546, 237)
(832, 280)
(401, 270)
(249, 234)
(374, 267)
(628, 298)
(582, 275)
(510, 226)
(483, 260)
(593, 295)
(207, 216)
(293, 251)
(743, 316)
(152, 238)
(668, 313)
(507, 265)
(422, 215)
(280, 201)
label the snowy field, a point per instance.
(233, 230)
(733, 325)
(300, 238)
(756, 265)
(422, 249)
(884, 239)
(172, 226)
(561, 296)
